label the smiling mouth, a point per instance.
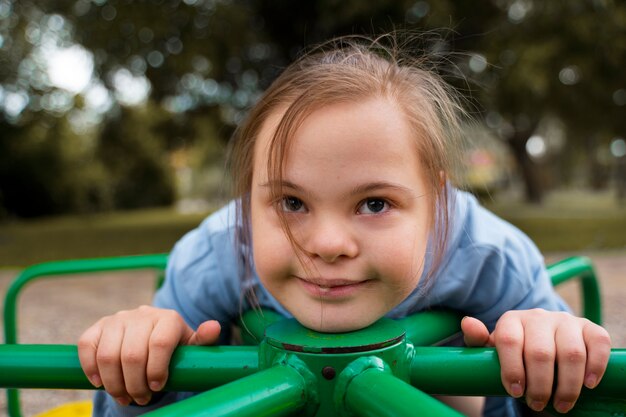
(332, 288)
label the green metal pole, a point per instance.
(192, 368)
(48, 269)
(276, 391)
(476, 371)
(376, 393)
(70, 267)
(580, 266)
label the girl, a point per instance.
(344, 214)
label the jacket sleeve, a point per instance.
(203, 278)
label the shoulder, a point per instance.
(480, 237)
(473, 226)
(198, 242)
(202, 277)
(490, 266)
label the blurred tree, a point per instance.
(46, 168)
(184, 69)
(560, 59)
(132, 153)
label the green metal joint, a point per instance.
(310, 381)
(348, 374)
(326, 355)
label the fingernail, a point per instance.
(517, 390)
(563, 406)
(142, 401)
(536, 405)
(155, 385)
(122, 401)
(591, 381)
(95, 380)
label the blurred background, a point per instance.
(115, 114)
(115, 117)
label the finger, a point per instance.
(134, 357)
(598, 344)
(207, 334)
(475, 333)
(168, 333)
(571, 356)
(109, 365)
(539, 359)
(87, 348)
(509, 342)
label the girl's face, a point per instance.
(356, 201)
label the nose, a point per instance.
(331, 240)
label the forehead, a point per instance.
(356, 130)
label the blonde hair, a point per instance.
(346, 70)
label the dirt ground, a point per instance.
(58, 310)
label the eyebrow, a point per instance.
(379, 185)
(283, 184)
(359, 189)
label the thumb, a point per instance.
(475, 333)
(206, 334)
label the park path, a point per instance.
(58, 310)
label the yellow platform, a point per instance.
(73, 409)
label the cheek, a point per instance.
(271, 249)
(401, 257)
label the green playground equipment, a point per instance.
(388, 369)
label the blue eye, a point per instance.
(373, 206)
(291, 204)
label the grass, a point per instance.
(113, 234)
(567, 221)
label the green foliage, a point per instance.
(518, 62)
(132, 153)
(46, 169)
(121, 233)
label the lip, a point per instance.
(331, 288)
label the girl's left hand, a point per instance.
(531, 342)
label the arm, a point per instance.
(537, 339)
(495, 273)
(129, 352)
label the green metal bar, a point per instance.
(276, 391)
(192, 368)
(431, 327)
(48, 269)
(476, 371)
(581, 267)
(375, 393)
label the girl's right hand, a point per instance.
(129, 352)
